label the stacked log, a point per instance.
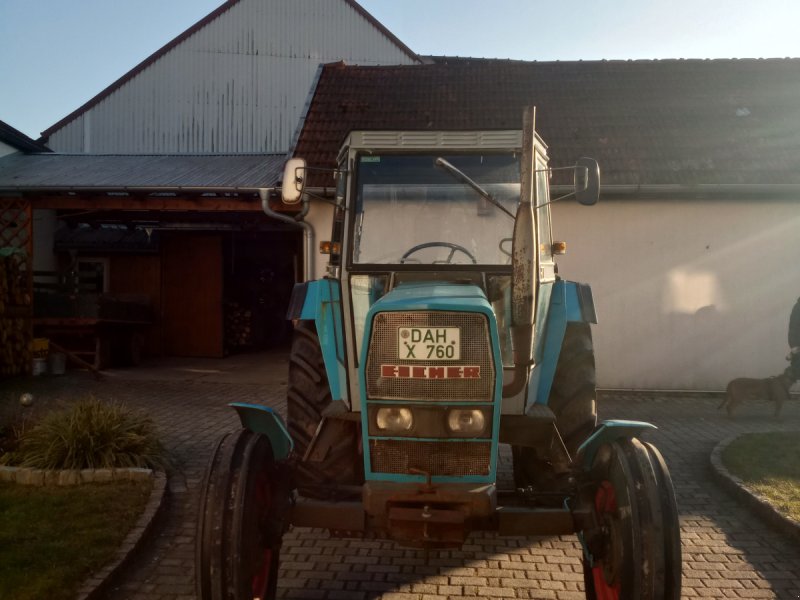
(15, 312)
(238, 326)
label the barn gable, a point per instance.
(237, 81)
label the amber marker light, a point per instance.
(559, 248)
(330, 247)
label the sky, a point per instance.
(57, 54)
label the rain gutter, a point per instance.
(670, 191)
(153, 189)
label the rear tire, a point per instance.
(572, 400)
(308, 396)
(573, 395)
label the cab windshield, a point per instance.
(409, 211)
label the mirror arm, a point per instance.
(323, 199)
(555, 199)
(573, 193)
(325, 169)
(570, 168)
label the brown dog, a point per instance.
(772, 388)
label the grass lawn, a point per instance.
(52, 538)
(769, 464)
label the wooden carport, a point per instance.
(198, 208)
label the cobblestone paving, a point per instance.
(728, 552)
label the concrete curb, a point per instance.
(760, 505)
(42, 477)
(97, 582)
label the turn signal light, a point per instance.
(330, 248)
(559, 248)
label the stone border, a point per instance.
(42, 477)
(760, 505)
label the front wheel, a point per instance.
(634, 552)
(240, 523)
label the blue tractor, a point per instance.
(440, 336)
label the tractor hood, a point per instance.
(434, 296)
(396, 373)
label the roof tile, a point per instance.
(647, 122)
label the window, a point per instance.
(409, 211)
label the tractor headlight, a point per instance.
(466, 421)
(394, 420)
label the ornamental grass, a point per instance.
(90, 434)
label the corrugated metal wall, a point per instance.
(237, 85)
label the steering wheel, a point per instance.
(453, 248)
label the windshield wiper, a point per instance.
(464, 178)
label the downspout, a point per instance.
(296, 221)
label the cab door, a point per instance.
(547, 265)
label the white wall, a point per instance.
(239, 84)
(689, 294)
(320, 216)
(6, 149)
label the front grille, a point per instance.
(453, 459)
(475, 351)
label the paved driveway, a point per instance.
(728, 553)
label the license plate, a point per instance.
(429, 343)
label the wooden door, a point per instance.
(140, 274)
(192, 294)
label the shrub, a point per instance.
(10, 435)
(91, 434)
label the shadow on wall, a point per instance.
(697, 348)
(714, 330)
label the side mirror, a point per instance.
(587, 181)
(294, 180)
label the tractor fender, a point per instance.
(320, 301)
(565, 302)
(264, 420)
(607, 432)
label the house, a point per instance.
(692, 251)
(12, 141)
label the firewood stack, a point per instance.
(15, 309)
(238, 326)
